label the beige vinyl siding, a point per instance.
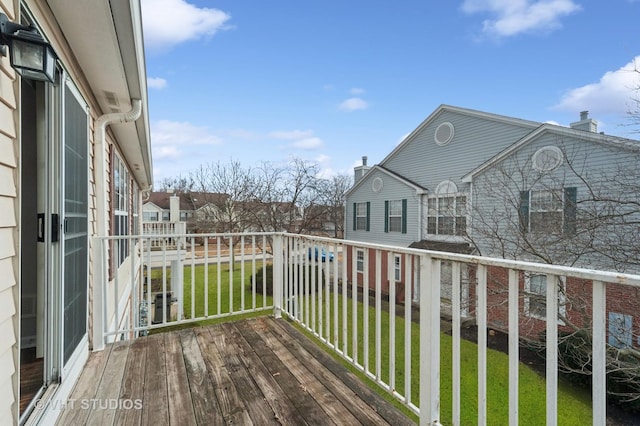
(9, 261)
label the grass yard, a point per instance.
(574, 403)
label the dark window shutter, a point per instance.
(404, 216)
(355, 206)
(368, 215)
(570, 200)
(524, 211)
(386, 216)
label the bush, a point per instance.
(623, 370)
(269, 279)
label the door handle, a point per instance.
(55, 228)
(41, 227)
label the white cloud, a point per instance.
(174, 133)
(301, 139)
(308, 143)
(171, 22)
(323, 159)
(353, 104)
(290, 134)
(357, 91)
(613, 94)
(156, 82)
(165, 152)
(511, 17)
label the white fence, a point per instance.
(346, 295)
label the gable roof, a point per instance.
(188, 201)
(463, 111)
(601, 138)
(419, 189)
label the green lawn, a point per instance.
(574, 403)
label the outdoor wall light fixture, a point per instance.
(31, 56)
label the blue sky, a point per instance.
(330, 81)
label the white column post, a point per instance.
(429, 341)
(278, 263)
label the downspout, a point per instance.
(100, 133)
(102, 214)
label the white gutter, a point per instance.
(102, 212)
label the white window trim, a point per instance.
(395, 216)
(358, 216)
(562, 298)
(433, 212)
(555, 193)
(397, 267)
(358, 262)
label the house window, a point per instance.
(620, 330)
(397, 267)
(166, 216)
(361, 214)
(551, 211)
(121, 211)
(535, 301)
(360, 260)
(447, 211)
(395, 216)
(150, 216)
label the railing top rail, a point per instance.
(587, 274)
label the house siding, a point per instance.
(392, 189)
(500, 186)
(9, 260)
(475, 141)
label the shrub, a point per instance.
(269, 279)
(623, 370)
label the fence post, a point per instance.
(278, 263)
(429, 341)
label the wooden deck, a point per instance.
(260, 371)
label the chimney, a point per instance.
(360, 171)
(586, 124)
(174, 208)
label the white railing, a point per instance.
(162, 230)
(318, 283)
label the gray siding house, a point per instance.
(505, 187)
(474, 182)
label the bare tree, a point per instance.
(585, 213)
(283, 195)
(179, 184)
(332, 197)
(226, 189)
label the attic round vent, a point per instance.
(444, 133)
(377, 184)
(547, 159)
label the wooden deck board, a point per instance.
(85, 389)
(180, 406)
(203, 396)
(258, 371)
(283, 408)
(133, 383)
(155, 405)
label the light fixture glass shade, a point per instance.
(33, 59)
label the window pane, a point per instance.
(395, 224)
(431, 225)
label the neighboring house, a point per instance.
(74, 160)
(194, 208)
(473, 182)
(323, 220)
